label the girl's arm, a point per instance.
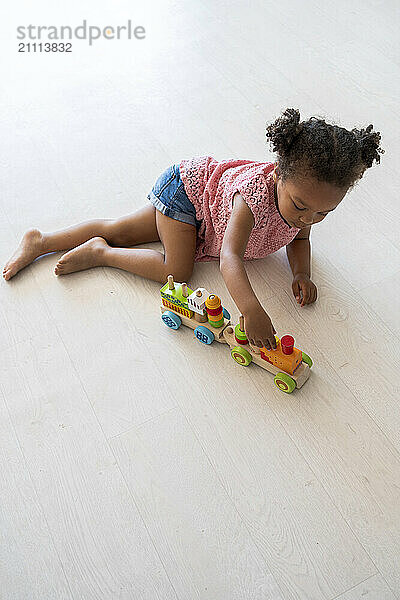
(257, 323)
(238, 284)
(299, 252)
(233, 247)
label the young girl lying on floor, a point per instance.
(232, 210)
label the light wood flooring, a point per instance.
(137, 463)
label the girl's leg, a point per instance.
(137, 228)
(178, 239)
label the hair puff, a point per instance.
(324, 151)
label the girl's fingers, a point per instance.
(307, 295)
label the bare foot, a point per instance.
(89, 254)
(29, 248)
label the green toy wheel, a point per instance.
(284, 382)
(241, 356)
(307, 359)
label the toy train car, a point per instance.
(204, 313)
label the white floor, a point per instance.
(137, 463)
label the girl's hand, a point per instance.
(302, 284)
(259, 329)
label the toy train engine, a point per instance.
(286, 356)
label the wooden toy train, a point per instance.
(180, 304)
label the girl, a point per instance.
(234, 210)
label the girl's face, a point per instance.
(303, 203)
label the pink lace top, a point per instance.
(210, 186)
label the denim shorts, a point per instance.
(169, 197)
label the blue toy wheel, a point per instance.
(226, 314)
(204, 335)
(171, 319)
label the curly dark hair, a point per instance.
(317, 149)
